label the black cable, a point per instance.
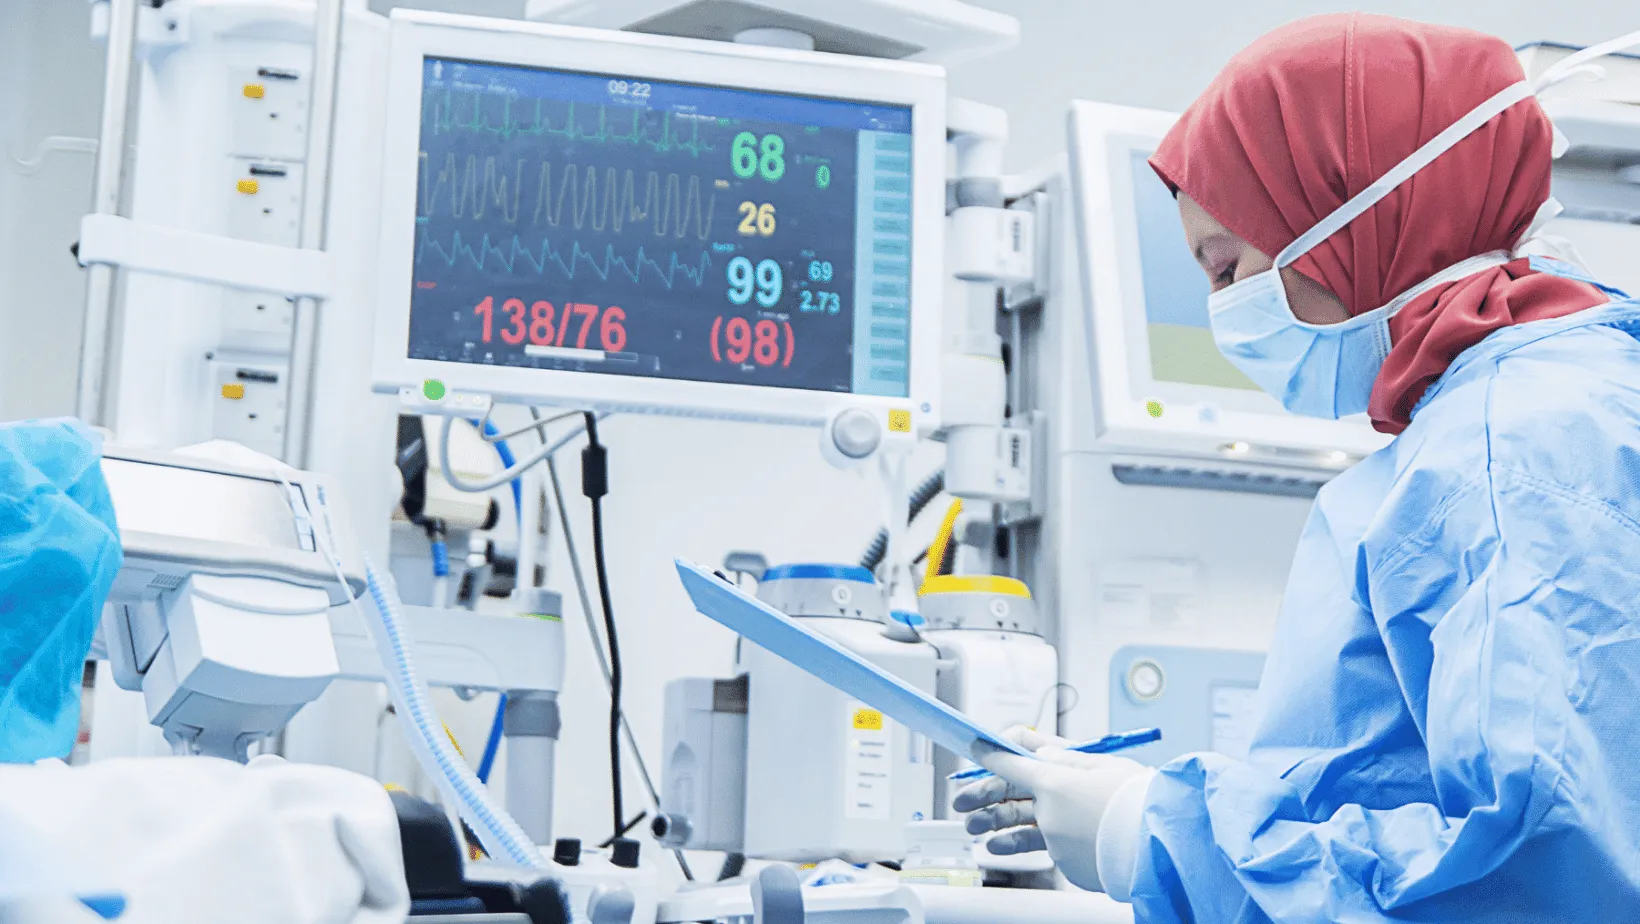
(921, 497)
(733, 865)
(597, 644)
(625, 830)
(594, 485)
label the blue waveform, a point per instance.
(601, 265)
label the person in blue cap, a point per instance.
(172, 839)
(59, 552)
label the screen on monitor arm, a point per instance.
(599, 223)
(1180, 338)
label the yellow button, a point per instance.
(255, 91)
(899, 421)
(868, 720)
(248, 187)
(233, 391)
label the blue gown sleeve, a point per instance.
(1509, 617)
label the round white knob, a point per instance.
(856, 433)
(1145, 680)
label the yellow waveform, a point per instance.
(598, 199)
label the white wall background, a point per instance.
(680, 487)
(52, 76)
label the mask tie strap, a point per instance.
(1401, 172)
(1577, 64)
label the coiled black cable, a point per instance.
(921, 497)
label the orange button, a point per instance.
(233, 391)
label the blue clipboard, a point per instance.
(816, 654)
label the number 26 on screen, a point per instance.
(544, 325)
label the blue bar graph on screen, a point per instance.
(601, 223)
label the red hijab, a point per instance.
(1310, 114)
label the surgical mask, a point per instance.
(1328, 370)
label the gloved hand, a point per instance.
(1057, 802)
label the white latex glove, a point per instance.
(194, 839)
(1058, 802)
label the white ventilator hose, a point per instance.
(460, 787)
(501, 836)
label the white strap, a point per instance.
(1453, 273)
(1537, 242)
(1401, 172)
(1574, 64)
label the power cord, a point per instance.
(598, 649)
(595, 485)
(540, 426)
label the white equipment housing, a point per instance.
(703, 754)
(828, 776)
(561, 372)
(822, 775)
(943, 32)
(220, 613)
(206, 343)
(893, 903)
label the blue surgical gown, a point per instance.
(1449, 719)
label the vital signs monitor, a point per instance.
(1160, 382)
(635, 222)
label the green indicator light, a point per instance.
(433, 390)
(1154, 408)
(822, 176)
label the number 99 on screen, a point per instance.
(764, 282)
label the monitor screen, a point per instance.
(599, 223)
(1181, 344)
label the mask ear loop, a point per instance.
(1578, 62)
(1549, 80)
(1578, 66)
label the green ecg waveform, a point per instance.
(466, 112)
(599, 199)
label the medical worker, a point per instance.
(1449, 723)
(156, 841)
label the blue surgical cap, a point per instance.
(59, 552)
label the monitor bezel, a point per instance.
(1201, 420)
(416, 35)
